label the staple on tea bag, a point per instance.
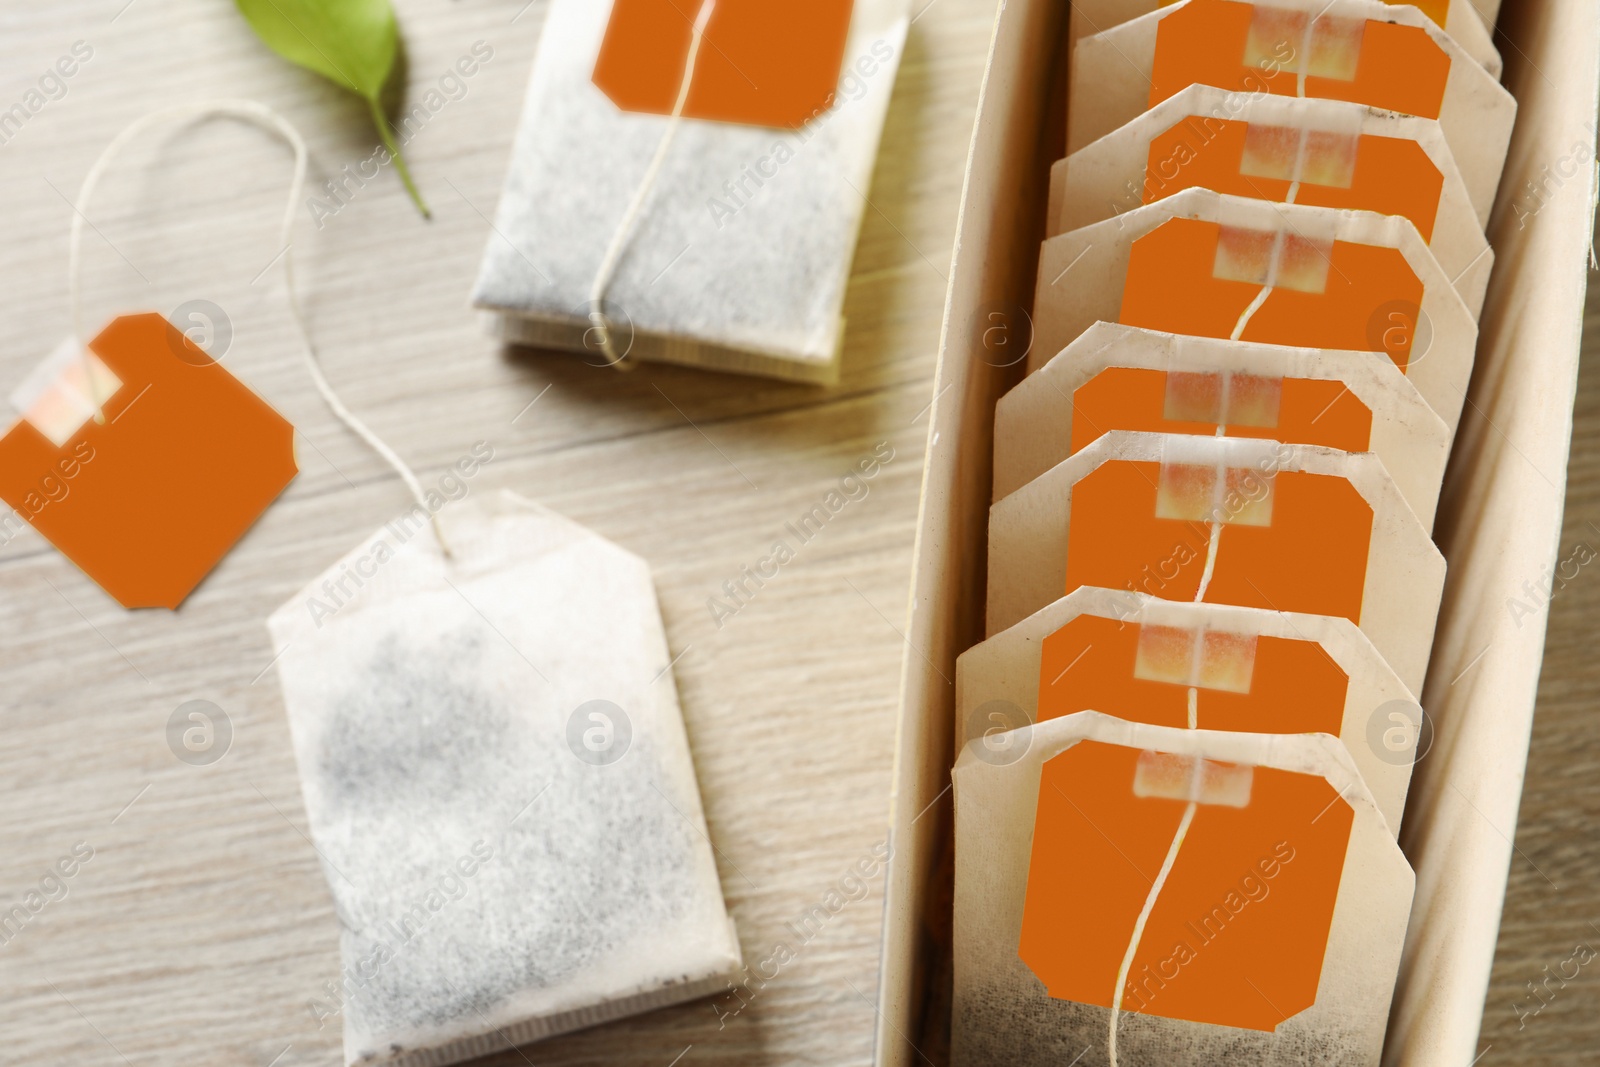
(1294, 528)
(1134, 656)
(1116, 377)
(1262, 48)
(498, 782)
(1322, 153)
(1293, 885)
(1222, 266)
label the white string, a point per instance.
(619, 239)
(1304, 66)
(1299, 165)
(1155, 892)
(1266, 289)
(265, 117)
(1196, 652)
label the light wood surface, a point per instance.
(201, 930)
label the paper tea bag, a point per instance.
(1223, 520)
(498, 782)
(1322, 153)
(1223, 266)
(1272, 937)
(150, 496)
(1243, 670)
(741, 249)
(1389, 57)
(1116, 377)
(1457, 18)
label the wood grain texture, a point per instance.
(202, 930)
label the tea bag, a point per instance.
(142, 459)
(1116, 377)
(1243, 670)
(1311, 48)
(1223, 520)
(720, 236)
(498, 782)
(1238, 896)
(1321, 153)
(1222, 266)
(1458, 18)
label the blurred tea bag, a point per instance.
(498, 782)
(1243, 670)
(1223, 266)
(1468, 26)
(720, 238)
(1321, 153)
(1116, 377)
(1223, 520)
(1364, 51)
(1239, 898)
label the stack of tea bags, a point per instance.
(1186, 744)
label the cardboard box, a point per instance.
(1499, 521)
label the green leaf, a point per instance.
(352, 43)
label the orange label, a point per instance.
(1263, 49)
(1388, 175)
(1266, 685)
(762, 62)
(1239, 931)
(1300, 411)
(1310, 555)
(1189, 276)
(147, 502)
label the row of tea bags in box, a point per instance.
(1185, 746)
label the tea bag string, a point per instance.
(1196, 770)
(268, 119)
(619, 239)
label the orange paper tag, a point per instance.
(1260, 48)
(1195, 277)
(148, 501)
(1239, 931)
(1143, 673)
(1308, 411)
(1359, 172)
(763, 62)
(1284, 540)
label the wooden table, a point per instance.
(201, 930)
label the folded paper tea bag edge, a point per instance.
(1467, 25)
(1101, 66)
(1005, 669)
(1034, 419)
(1316, 754)
(1028, 538)
(1097, 289)
(1100, 163)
